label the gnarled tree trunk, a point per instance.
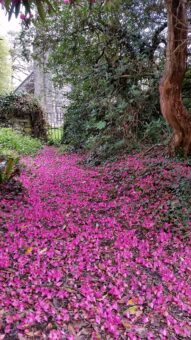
(170, 87)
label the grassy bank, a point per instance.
(12, 141)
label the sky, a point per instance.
(6, 26)
(12, 26)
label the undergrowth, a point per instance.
(11, 141)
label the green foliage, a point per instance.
(156, 130)
(13, 141)
(113, 62)
(112, 122)
(112, 54)
(15, 107)
(9, 167)
(5, 67)
(42, 6)
(108, 56)
(63, 148)
(187, 89)
(17, 103)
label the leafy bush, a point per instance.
(63, 148)
(116, 122)
(23, 145)
(18, 108)
(156, 131)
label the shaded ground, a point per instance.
(101, 253)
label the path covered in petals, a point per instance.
(96, 253)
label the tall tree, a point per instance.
(171, 102)
(5, 67)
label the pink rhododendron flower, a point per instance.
(22, 16)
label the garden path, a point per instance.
(96, 253)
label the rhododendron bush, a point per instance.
(96, 253)
(42, 6)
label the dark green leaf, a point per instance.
(17, 9)
(11, 11)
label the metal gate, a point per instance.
(55, 126)
(57, 103)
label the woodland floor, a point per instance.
(96, 253)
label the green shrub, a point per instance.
(14, 141)
(156, 131)
(64, 148)
(19, 107)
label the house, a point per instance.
(53, 100)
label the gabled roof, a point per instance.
(27, 84)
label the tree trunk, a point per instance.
(170, 87)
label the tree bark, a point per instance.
(172, 106)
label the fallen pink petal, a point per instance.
(83, 254)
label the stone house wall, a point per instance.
(53, 100)
(21, 124)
